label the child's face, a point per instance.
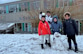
(67, 17)
(43, 18)
(48, 14)
(55, 20)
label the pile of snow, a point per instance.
(30, 44)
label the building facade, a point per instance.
(24, 12)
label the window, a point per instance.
(2, 10)
(23, 26)
(65, 2)
(23, 6)
(12, 8)
(29, 27)
(26, 6)
(35, 5)
(17, 9)
(57, 3)
(7, 10)
(70, 2)
(61, 3)
(48, 4)
(18, 27)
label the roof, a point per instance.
(4, 26)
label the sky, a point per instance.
(7, 1)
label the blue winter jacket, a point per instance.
(56, 27)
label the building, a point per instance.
(79, 2)
(24, 13)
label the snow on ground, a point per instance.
(30, 44)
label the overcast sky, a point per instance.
(7, 1)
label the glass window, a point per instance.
(18, 27)
(65, 2)
(61, 3)
(31, 6)
(7, 11)
(23, 6)
(70, 2)
(29, 27)
(35, 5)
(57, 3)
(23, 28)
(45, 5)
(12, 8)
(26, 6)
(2, 10)
(17, 9)
(48, 4)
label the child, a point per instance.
(48, 18)
(56, 26)
(70, 29)
(44, 31)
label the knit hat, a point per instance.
(66, 13)
(43, 15)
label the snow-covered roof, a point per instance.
(4, 26)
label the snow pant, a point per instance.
(73, 38)
(44, 38)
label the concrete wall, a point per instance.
(19, 17)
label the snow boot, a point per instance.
(69, 48)
(49, 44)
(76, 49)
(42, 46)
(46, 42)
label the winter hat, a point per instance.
(43, 15)
(66, 13)
(55, 16)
